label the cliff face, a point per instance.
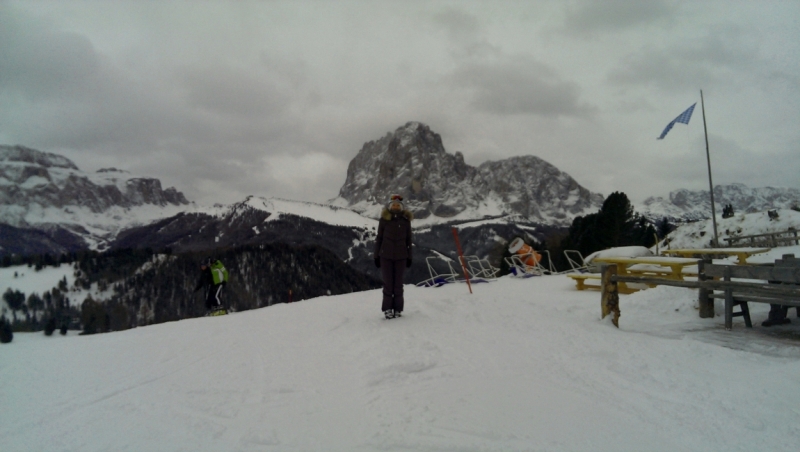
(33, 182)
(47, 193)
(413, 162)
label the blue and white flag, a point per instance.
(683, 118)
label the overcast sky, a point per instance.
(223, 99)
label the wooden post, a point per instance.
(728, 300)
(609, 301)
(705, 302)
(461, 258)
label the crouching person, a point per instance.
(393, 254)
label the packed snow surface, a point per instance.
(520, 364)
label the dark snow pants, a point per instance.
(392, 272)
(212, 297)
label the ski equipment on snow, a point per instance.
(217, 311)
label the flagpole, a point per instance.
(710, 184)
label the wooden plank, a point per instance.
(771, 238)
(740, 296)
(780, 290)
(654, 260)
(584, 276)
(790, 232)
(786, 274)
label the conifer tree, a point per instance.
(6, 334)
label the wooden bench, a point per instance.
(782, 287)
(581, 278)
(716, 253)
(665, 267)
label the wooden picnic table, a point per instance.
(741, 253)
(667, 267)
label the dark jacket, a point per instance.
(394, 235)
(206, 279)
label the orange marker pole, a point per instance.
(461, 258)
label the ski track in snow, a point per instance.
(518, 365)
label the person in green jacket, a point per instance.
(213, 288)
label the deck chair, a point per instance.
(480, 268)
(520, 268)
(545, 266)
(437, 278)
(575, 259)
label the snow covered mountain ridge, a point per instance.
(412, 161)
(46, 191)
(696, 204)
(37, 187)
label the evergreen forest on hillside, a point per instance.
(148, 288)
(141, 286)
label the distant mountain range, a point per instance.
(696, 205)
(48, 205)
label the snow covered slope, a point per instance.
(518, 365)
(324, 213)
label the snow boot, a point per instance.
(777, 315)
(773, 322)
(389, 314)
(398, 313)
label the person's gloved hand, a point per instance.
(408, 262)
(378, 262)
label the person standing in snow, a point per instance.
(393, 253)
(213, 289)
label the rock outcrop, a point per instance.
(413, 162)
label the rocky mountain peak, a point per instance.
(413, 162)
(22, 154)
(38, 188)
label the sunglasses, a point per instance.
(397, 198)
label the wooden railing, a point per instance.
(773, 239)
(783, 286)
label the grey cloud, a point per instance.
(502, 84)
(520, 86)
(465, 34)
(459, 25)
(589, 17)
(234, 92)
(686, 64)
(36, 64)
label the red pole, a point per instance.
(461, 258)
